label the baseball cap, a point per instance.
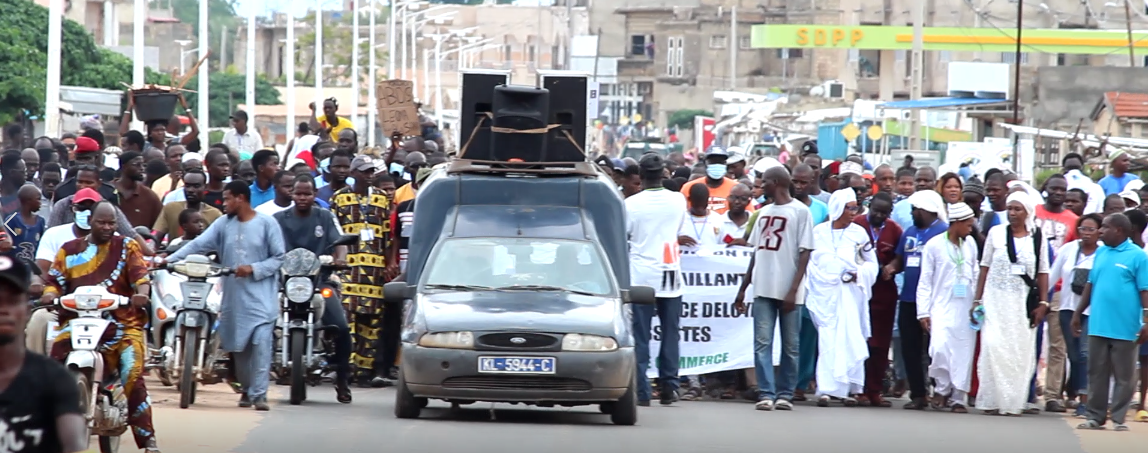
(716, 151)
(86, 145)
(735, 156)
(239, 115)
(362, 163)
(86, 194)
(15, 272)
(809, 147)
(651, 162)
(617, 164)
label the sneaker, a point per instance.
(244, 401)
(1119, 427)
(764, 405)
(1054, 406)
(152, 446)
(380, 382)
(261, 404)
(783, 405)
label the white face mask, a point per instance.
(82, 219)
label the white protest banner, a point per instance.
(714, 337)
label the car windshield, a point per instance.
(526, 264)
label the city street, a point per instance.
(214, 424)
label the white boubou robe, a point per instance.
(940, 298)
(841, 310)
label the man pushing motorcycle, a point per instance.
(106, 259)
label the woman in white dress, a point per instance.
(839, 282)
(1008, 335)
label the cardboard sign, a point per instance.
(397, 110)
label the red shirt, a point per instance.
(1058, 228)
(886, 238)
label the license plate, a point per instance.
(517, 365)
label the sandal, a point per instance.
(692, 394)
(1141, 416)
(879, 401)
(916, 404)
(727, 395)
(959, 408)
(992, 412)
(863, 401)
(823, 401)
(799, 396)
(1090, 424)
(850, 401)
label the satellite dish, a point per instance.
(817, 91)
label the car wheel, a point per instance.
(406, 405)
(625, 411)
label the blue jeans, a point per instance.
(807, 349)
(669, 311)
(765, 316)
(1077, 351)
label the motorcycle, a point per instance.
(195, 343)
(303, 354)
(102, 397)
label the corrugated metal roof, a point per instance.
(941, 103)
(1128, 105)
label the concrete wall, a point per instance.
(1065, 94)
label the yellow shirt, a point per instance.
(343, 124)
(404, 193)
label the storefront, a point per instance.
(880, 37)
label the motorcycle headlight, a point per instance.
(87, 301)
(299, 289)
(591, 343)
(448, 340)
(194, 270)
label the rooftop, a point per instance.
(1124, 105)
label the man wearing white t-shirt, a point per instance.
(782, 237)
(654, 217)
(35, 338)
(702, 227)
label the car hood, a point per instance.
(538, 311)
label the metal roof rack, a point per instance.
(582, 168)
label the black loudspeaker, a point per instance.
(520, 124)
(476, 106)
(568, 97)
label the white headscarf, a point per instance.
(1028, 188)
(931, 201)
(838, 200)
(1029, 204)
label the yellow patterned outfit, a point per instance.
(117, 265)
(363, 287)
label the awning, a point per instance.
(941, 103)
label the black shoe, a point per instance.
(244, 401)
(261, 404)
(343, 393)
(380, 382)
(644, 403)
(668, 398)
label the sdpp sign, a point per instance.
(828, 37)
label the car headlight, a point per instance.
(448, 340)
(299, 289)
(593, 343)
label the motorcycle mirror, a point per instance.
(145, 233)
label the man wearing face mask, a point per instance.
(51, 241)
(715, 180)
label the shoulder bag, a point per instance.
(1079, 276)
(1034, 296)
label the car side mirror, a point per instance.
(396, 292)
(641, 295)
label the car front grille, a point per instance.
(515, 383)
(518, 341)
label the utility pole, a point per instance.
(1016, 88)
(733, 47)
(1131, 42)
(916, 76)
(570, 34)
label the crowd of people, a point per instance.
(84, 211)
(958, 278)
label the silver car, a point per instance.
(522, 320)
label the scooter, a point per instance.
(302, 353)
(196, 343)
(102, 397)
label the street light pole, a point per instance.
(249, 90)
(318, 55)
(438, 77)
(139, 18)
(355, 85)
(290, 68)
(52, 89)
(391, 40)
(204, 112)
(371, 101)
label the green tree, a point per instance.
(24, 59)
(221, 16)
(684, 119)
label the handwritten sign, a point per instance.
(397, 110)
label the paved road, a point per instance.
(215, 425)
